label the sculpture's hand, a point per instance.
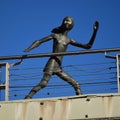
(26, 50)
(96, 25)
(34, 45)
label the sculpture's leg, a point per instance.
(41, 85)
(71, 81)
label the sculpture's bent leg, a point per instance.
(41, 85)
(71, 81)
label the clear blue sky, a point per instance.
(24, 21)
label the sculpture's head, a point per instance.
(67, 25)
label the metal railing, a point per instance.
(59, 54)
(94, 77)
(118, 71)
(5, 85)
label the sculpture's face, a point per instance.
(68, 23)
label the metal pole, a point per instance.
(59, 54)
(7, 83)
(118, 72)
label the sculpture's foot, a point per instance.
(27, 97)
(78, 92)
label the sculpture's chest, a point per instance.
(62, 40)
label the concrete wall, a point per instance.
(69, 108)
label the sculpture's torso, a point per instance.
(60, 44)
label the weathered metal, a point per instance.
(91, 107)
(60, 43)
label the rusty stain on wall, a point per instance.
(67, 108)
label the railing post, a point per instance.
(6, 85)
(118, 72)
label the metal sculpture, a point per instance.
(60, 43)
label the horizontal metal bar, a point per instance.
(59, 54)
(2, 86)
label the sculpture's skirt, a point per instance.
(53, 66)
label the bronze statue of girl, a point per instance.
(60, 43)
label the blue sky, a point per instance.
(24, 21)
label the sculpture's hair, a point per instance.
(61, 28)
(57, 30)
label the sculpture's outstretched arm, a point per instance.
(38, 42)
(90, 43)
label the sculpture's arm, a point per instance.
(90, 43)
(38, 42)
